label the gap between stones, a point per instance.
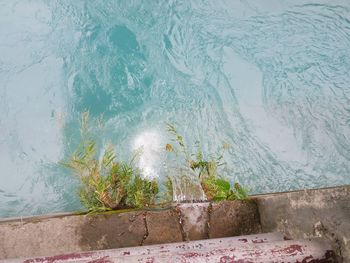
(209, 210)
(144, 217)
(180, 219)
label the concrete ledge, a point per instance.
(46, 236)
(309, 213)
(237, 218)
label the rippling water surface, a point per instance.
(270, 78)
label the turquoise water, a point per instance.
(270, 78)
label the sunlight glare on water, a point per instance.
(150, 150)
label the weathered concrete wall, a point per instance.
(301, 214)
(309, 213)
(43, 236)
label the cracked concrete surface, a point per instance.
(309, 213)
(301, 214)
(42, 236)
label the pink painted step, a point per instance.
(300, 251)
(269, 247)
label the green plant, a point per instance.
(142, 192)
(105, 183)
(169, 190)
(215, 186)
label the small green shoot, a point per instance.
(215, 186)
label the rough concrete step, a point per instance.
(159, 249)
(253, 248)
(199, 244)
(278, 251)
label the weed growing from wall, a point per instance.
(105, 182)
(215, 186)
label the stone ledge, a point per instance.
(309, 213)
(77, 233)
(162, 227)
(194, 220)
(233, 219)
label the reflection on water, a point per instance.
(270, 78)
(148, 145)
